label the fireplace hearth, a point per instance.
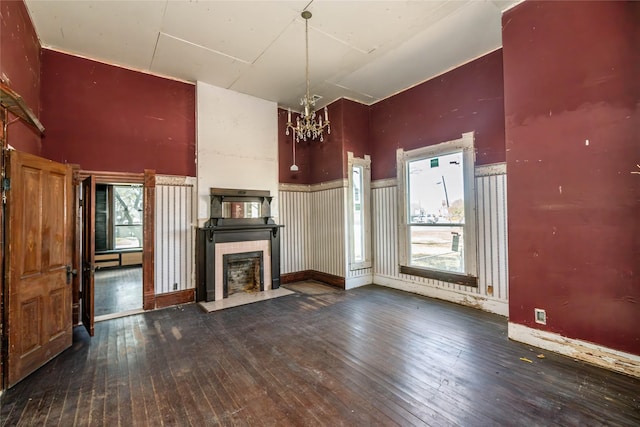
(240, 223)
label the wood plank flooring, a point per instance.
(118, 290)
(369, 356)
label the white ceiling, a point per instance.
(361, 50)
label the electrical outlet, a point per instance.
(540, 316)
(175, 286)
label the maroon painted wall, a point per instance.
(572, 74)
(109, 118)
(327, 158)
(468, 98)
(285, 155)
(355, 130)
(324, 161)
(20, 67)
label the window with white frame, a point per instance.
(359, 214)
(437, 211)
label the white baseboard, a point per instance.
(594, 354)
(356, 282)
(472, 300)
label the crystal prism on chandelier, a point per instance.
(309, 125)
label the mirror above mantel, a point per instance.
(233, 207)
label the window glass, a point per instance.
(436, 190)
(127, 223)
(359, 211)
(358, 215)
(437, 223)
(436, 212)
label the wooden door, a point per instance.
(88, 250)
(38, 256)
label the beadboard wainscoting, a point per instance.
(314, 237)
(492, 291)
(175, 235)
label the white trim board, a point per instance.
(310, 188)
(470, 300)
(357, 281)
(594, 354)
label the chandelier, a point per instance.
(309, 126)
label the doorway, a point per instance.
(119, 246)
(116, 222)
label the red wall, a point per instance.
(20, 67)
(285, 155)
(572, 73)
(325, 161)
(355, 131)
(108, 118)
(327, 158)
(468, 98)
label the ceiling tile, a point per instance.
(242, 29)
(431, 52)
(379, 23)
(174, 57)
(363, 50)
(279, 74)
(123, 33)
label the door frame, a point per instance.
(148, 180)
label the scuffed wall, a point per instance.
(20, 69)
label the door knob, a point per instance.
(70, 273)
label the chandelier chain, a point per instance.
(308, 126)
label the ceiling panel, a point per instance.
(242, 29)
(380, 23)
(279, 74)
(362, 50)
(431, 52)
(187, 61)
(120, 32)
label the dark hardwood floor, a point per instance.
(118, 290)
(369, 356)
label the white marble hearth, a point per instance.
(238, 299)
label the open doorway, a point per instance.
(131, 247)
(118, 250)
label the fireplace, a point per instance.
(239, 240)
(242, 273)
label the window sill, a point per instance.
(359, 265)
(459, 279)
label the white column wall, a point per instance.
(237, 144)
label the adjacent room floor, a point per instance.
(368, 356)
(117, 290)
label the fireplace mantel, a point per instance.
(225, 228)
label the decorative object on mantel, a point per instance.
(307, 127)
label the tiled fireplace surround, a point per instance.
(223, 249)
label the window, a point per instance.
(437, 217)
(359, 212)
(127, 223)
